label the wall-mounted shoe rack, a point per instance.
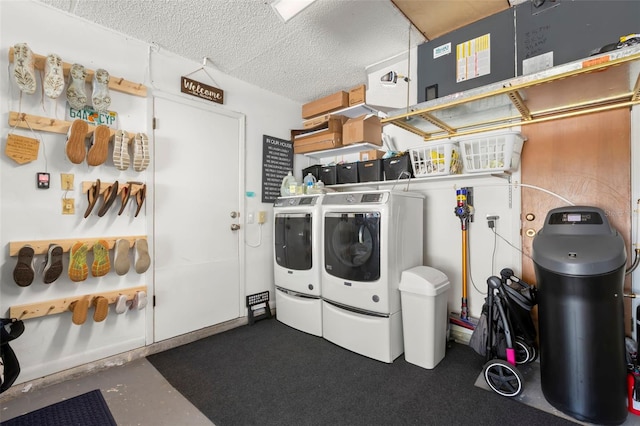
(135, 187)
(47, 124)
(117, 84)
(41, 246)
(58, 306)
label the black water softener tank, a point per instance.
(579, 262)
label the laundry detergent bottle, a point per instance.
(289, 184)
(309, 183)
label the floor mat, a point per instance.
(271, 374)
(88, 409)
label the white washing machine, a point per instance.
(297, 266)
(369, 238)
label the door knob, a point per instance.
(235, 214)
(235, 226)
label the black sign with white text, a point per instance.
(277, 161)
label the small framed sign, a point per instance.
(201, 90)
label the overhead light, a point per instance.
(391, 78)
(287, 9)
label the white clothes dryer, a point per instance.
(369, 238)
(297, 266)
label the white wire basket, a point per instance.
(435, 159)
(496, 152)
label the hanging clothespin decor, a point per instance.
(200, 89)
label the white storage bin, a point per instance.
(496, 152)
(436, 159)
(424, 293)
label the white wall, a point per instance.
(52, 343)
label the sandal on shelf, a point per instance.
(24, 272)
(92, 195)
(140, 197)
(101, 311)
(101, 263)
(121, 261)
(110, 195)
(121, 304)
(80, 308)
(78, 268)
(124, 197)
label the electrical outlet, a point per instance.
(67, 181)
(250, 217)
(68, 206)
(491, 221)
(262, 216)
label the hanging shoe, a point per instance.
(121, 158)
(24, 70)
(109, 195)
(99, 149)
(139, 301)
(76, 94)
(80, 308)
(125, 192)
(101, 264)
(142, 259)
(53, 76)
(24, 272)
(76, 149)
(101, 311)
(141, 155)
(121, 261)
(100, 95)
(141, 195)
(78, 269)
(121, 304)
(52, 264)
(93, 194)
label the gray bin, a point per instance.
(579, 262)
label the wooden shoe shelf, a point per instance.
(51, 125)
(58, 306)
(41, 247)
(135, 187)
(117, 84)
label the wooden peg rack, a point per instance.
(46, 124)
(41, 247)
(117, 84)
(135, 186)
(52, 307)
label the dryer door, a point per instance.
(292, 239)
(352, 245)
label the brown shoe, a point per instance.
(102, 308)
(99, 150)
(141, 195)
(76, 148)
(92, 196)
(24, 272)
(109, 195)
(80, 308)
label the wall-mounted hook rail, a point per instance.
(41, 247)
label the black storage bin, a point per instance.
(314, 170)
(328, 175)
(394, 167)
(579, 262)
(347, 173)
(370, 171)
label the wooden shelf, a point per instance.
(58, 306)
(41, 246)
(117, 84)
(46, 124)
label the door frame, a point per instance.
(241, 119)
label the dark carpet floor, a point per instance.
(271, 374)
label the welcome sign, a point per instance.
(201, 90)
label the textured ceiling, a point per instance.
(326, 48)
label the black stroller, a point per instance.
(505, 333)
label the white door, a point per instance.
(198, 178)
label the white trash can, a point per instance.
(423, 293)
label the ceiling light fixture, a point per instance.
(287, 9)
(391, 78)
